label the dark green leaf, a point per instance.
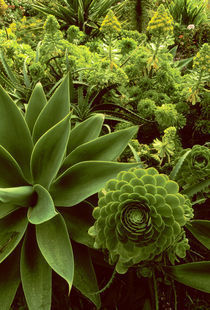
(10, 172)
(48, 153)
(105, 148)
(44, 208)
(85, 132)
(196, 275)
(12, 229)
(196, 188)
(201, 231)
(35, 274)
(84, 274)
(9, 279)
(83, 180)
(14, 133)
(36, 103)
(54, 244)
(178, 166)
(54, 111)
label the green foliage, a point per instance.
(41, 171)
(166, 115)
(140, 214)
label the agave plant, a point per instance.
(45, 166)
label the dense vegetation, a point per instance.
(104, 155)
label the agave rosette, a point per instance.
(140, 215)
(44, 167)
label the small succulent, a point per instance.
(201, 61)
(196, 167)
(140, 214)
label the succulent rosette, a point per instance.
(196, 167)
(140, 215)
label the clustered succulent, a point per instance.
(3, 7)
(201, 61)
(140, 215)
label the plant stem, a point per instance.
(110, 49)
(153, 57)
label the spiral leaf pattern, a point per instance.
(140, 214)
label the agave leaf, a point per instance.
(104, 148)
(178, 166)
(7, 209)
(12, 229)
(200, 230)
(35, 274)
(48, 153)
(182, 63)
(44, 208)
(36, 103)
(54, 111)
(196, 275)
(83, 180)
(21, 195)
(10, 172)
(84, 274)
(78, 220)
(85, 131)
(14, 132)
(9, 279)
(54, 244)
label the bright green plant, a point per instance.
(45, 166)
(84, 14)
(140, 214)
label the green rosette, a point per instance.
(140, 214)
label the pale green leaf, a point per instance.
(44, 208)
(48, 153)
(10, 172)
(201, 231)
(14, 133)
(196, 275)
(36, 103)
(35, 274)
(7, 209)
(21, 195)
(9, 279)
(104, 148)
(54, 244)
(12, 229)
(54, 111)
(83, 180)
(84, 275)
(85, 131)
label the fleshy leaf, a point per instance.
(196, 275)
(83, 180)
(44, 208)
(7, 209)
(21, 195)
(54, 111)
(48, 153)
(36, 103)
(85, 132)
(14, 133)
(54, 244)
(201, 231)
(10, 172)
(178, 166)
(35, 274)
(9, 279)
(105, 148)
(12, 229)
(78, 220)
(84, 274)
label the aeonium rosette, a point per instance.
(140, 215)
